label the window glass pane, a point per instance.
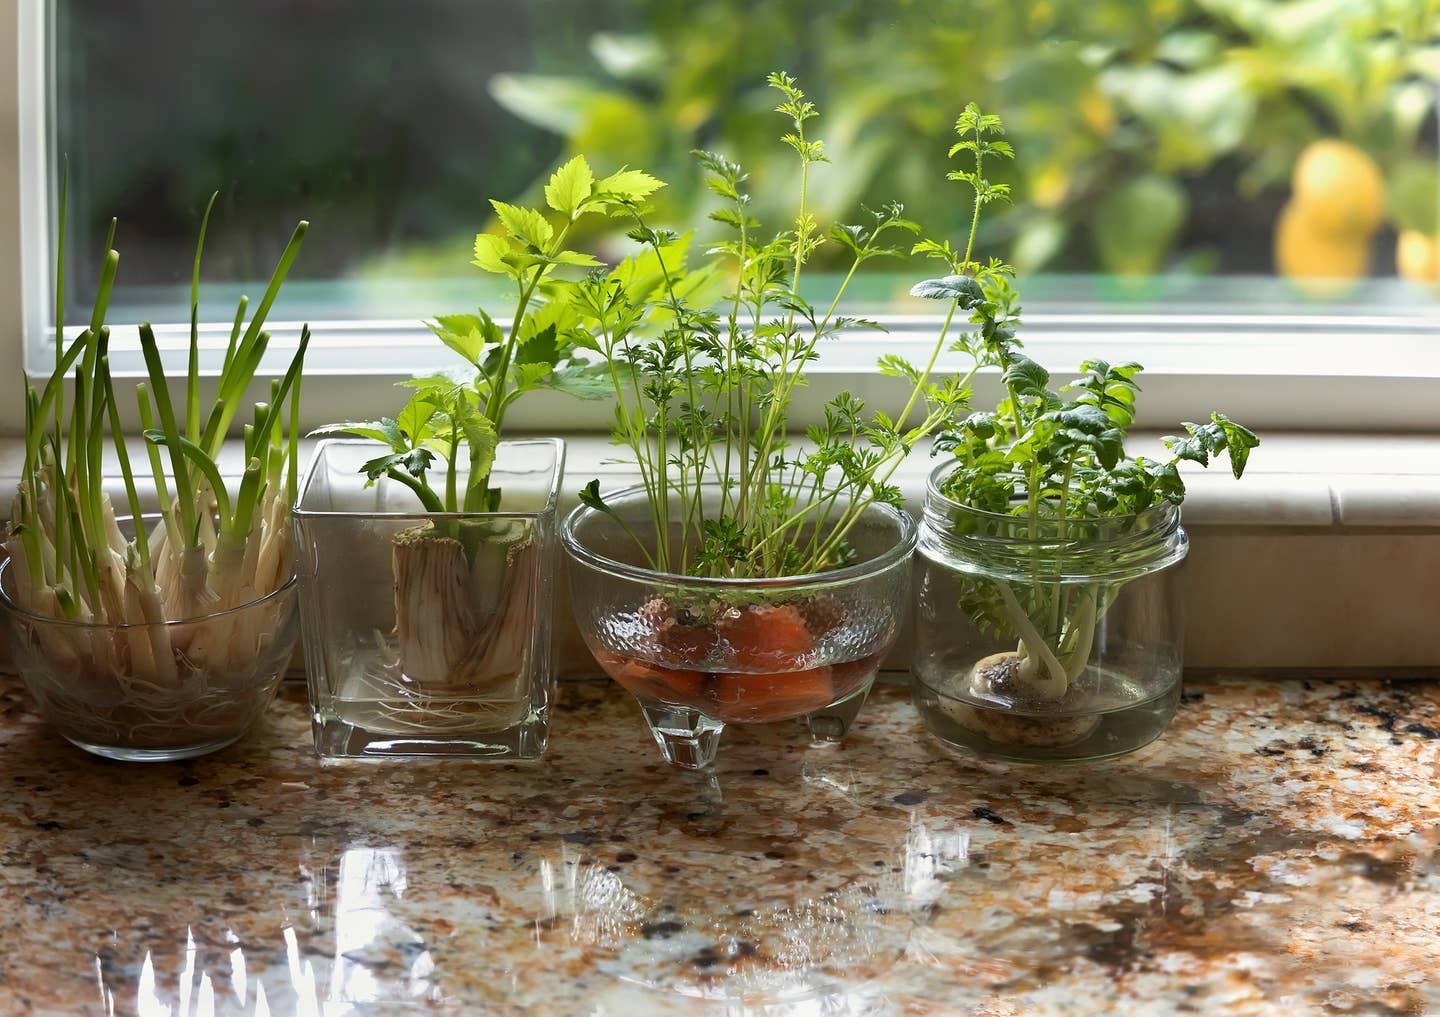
(375, 120)
(1212, 155)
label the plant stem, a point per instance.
(451, 497)
(234, 334)
(61, 367)
(427, 497)
(192, 374)
(929, 367)
(157, 471)
(248, 351)
(1054, 687)
(1083, 624)
(292, 480)
(184, 489)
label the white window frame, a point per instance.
(12, 333)
(1284, 370)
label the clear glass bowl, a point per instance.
(1043, 640)
(428, 634)
(698, 654)
(83, 681)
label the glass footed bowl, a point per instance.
(100, 685)
(699, 653)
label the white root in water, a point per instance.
(1040, 670)
(143, 681)
(463, 630)
(434, 611)
(1033, 680)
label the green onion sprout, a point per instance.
(218, 543)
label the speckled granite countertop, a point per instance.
(1274, 854)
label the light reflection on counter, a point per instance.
(367, 947)
(237, 971)
(1278, 845)
(673, 936)
(782, 959)
(378, 956)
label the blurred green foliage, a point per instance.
(1151, 135)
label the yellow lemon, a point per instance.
(1049, 187)
(1097, 112)
(1318, 262)
(1340, 188)
(1417, 256)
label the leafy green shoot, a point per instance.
(704, 390)
(452, 423)
(1055, 462)
(71, 558)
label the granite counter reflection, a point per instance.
(1275, 853)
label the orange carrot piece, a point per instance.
(766, 637)
(642, 678)
(762, 698)
(849, 676)
(686, 644)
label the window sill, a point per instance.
(1325, 557)
(1275, 372)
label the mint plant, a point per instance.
(704, 390)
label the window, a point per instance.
(1242, 190)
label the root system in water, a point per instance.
(993, 713)
(458, 662)
(1025, 718)
(142, 717)
(107, 700)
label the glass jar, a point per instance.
(1046, 640)
(700, 653)
(428, 634)
(147, 692)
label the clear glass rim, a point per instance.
(27, 614)
(552, 495)
(1152, 515)
(887, 559)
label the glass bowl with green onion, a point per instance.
(163, 639)
(152, 691)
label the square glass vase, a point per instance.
(428, 634)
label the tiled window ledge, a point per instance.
(1325, 557)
